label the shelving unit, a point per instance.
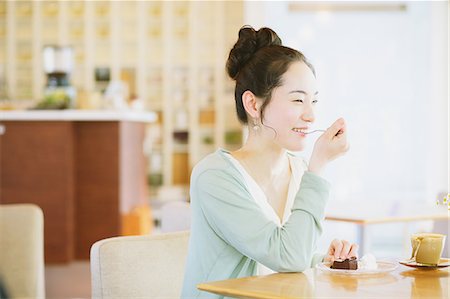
(172, 54)
(3, 47)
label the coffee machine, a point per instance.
(58, 66)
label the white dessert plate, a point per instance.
(444, 262)
(383, 267)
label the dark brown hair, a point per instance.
(257, 62)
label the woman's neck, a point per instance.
(269, 166)
(262, 156)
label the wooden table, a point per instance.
(363, 214)
(404, 282)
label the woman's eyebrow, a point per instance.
(302, 91)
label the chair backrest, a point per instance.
(139, 266)
(22, 250)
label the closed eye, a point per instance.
(298, 100)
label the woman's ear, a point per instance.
(251, 104)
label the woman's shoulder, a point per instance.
(214, 162)
(216, 169)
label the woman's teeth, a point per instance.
(299, 130)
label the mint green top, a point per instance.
(231, 232)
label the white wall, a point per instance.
(386, 73)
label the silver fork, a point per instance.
(320, 130)
(314, 131)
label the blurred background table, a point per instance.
(363, 214)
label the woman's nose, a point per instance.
(308, 114)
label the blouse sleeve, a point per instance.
(236, 217)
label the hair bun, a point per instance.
(248, 43)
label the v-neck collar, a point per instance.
(258, 194)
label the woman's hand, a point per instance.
(341, 249)
(330, 145)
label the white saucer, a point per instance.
(444, 262)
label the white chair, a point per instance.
(139, 266)
(22, 250)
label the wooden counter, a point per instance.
(84, 169)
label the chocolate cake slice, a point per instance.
(347, 264)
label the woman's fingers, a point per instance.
(330, 145)
(337, 248)
(345, 249)
(354, 250)
(342, 249)
(338, 127)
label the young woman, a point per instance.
(260, 208)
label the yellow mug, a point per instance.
(427, 247)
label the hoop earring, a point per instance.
(255, 125)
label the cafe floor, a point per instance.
(68, 281)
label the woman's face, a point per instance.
(291, 109)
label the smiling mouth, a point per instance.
(299, 130)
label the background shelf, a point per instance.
(169, 57)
